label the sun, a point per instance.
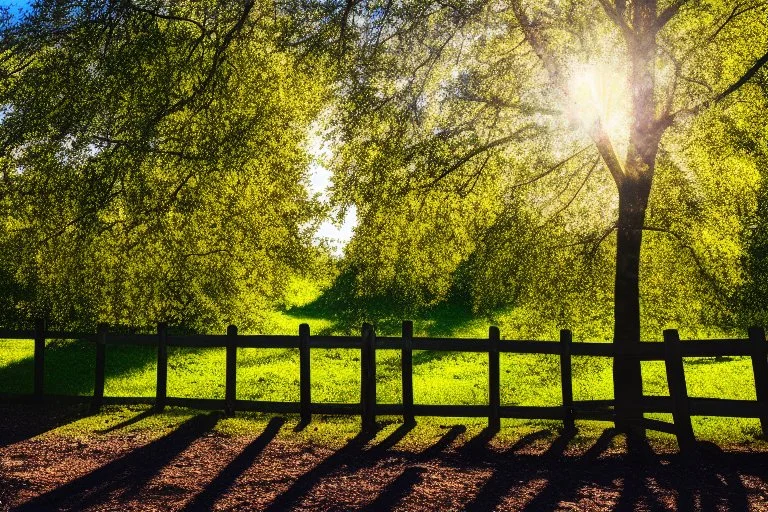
(598, 94)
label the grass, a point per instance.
(439, 377)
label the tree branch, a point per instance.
(617, 17)
(679, 239)
(469, 155)
(738, 84)
(170, 17)
(551, 169)
(667, 14)
(605, 147)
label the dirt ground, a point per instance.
(196, 468)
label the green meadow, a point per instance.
(439, 377)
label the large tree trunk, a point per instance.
(633, 201)
(634, 191)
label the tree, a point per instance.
(465, 85)
(153, 162)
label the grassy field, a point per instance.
(439, 377)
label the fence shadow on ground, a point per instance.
(543, 466)
(126, 475)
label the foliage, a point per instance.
(154, 163)
(478, 104)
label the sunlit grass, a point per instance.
(438, 377)
(17, 355)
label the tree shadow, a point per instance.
(130, 421)
(70, 367)
(706, 479)
(340, 304)
(559, 474)
(499, 484)
(698, 361)
(126, 475)
(710, 481)
(22, 422)
(554, 474)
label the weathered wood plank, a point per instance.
(101, 361)
(566, 378)
(39, 359)
(230, 381)
(368, 378)
(305, 383)
(161, 388)
(407, 371)
(760, 371)
(678, 390)
(494, 380)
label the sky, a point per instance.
(15, 4)
(338, 234)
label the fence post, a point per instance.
(230, 385)
(407, 372)
(39, 382)
(368, 378)
(98, 388)
(760, 369)
(681, 412)
(566, 378)
(161, 389)
(305, 389)
(494, 380)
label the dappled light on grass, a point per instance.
(130, 371)
(528, 379)
(453, 378)
(592, 378)
(16, 366)
(732, 377)
(439, 378)
(268, 374)
(335, 375)
(388, 377)
(196, 373)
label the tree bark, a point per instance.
(634, 192)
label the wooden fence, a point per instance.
(671, 351)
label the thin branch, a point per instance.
(702, 270)
(738, 84)
(605, 147)
(667, 14)
(218, 58)
(169, 17)
(469, 155)
(616, 15)
(602, 238)
(551, 169)
(142, 148)
(533, 34)
(575, 195)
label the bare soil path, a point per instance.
(194, 467)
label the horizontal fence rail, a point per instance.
(671, 351)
